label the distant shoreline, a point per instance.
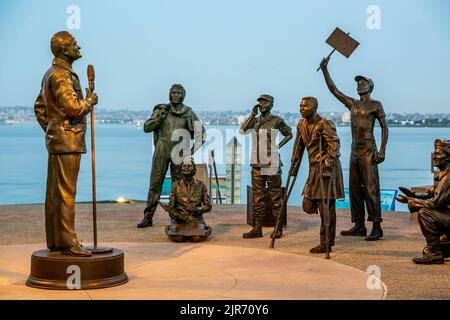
(223, 124)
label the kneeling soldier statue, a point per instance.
(434, 208)
(188, 201)
(324, 184)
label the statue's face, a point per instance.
(440, 157)
(307, 109)
(176, 96)
(72, 49)
(363, 87)
(264, 106)
(188, 169)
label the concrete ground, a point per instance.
(173, 271)
(24, 224)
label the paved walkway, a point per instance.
(196, 271)
(24, 224)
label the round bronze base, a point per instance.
(54, 270)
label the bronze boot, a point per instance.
(357, 230)
(376, 233)
(146, 222)
(256, 232)
(432, 254)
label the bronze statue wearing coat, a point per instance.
(61, 112)
(316, 134)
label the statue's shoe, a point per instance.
(77, 251)
(429, 259)
(376, 234)
(355, 231)
(145, 222)
(254, 233)
(319, 249)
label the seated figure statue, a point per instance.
(188, 201)
(433, 208)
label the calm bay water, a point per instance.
(123, 157)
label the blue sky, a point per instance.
(226, 53)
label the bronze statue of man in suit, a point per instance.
(265, 162)
(364, 159)
(61, 112)
(318, 136)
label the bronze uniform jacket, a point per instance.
(330, 158)
(61, 110)
(198, 196)
(163, 128)
(265, 129)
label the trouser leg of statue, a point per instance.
(160, 164)
(258, 185)
(332, 227)
(365, 192)
(356, 192)
(321, 248)
(60, 201)
(274, 187)
(371, 182)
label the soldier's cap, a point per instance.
(444, 144)
(359, 77)
(265, 97)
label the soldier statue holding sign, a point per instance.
(433, 208)
(364, 159)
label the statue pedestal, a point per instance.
(51, 270)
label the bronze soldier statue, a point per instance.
(319, 137)
(265, 162)
(61, 111)
(364, 159)
(433, 208)
(164, 121)
(188, 201)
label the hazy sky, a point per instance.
(226, 53)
